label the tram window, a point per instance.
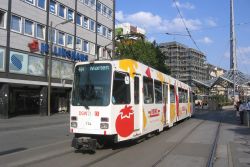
(165, 93)
(148, 90)
(121, 88)
(158, 91)
(186, 96)
(136, 90)
(172, 96)
(180, 92)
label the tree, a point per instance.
(142, 51)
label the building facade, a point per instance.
(82, 30)
(185, 63)
(127, 28)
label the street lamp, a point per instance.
(50, 60)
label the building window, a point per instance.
(99, 7)
(52, 7)
(92, 25)
(40, 30)
(70, 14)
(92, 48)
(2, 19)
(78, 44)
(2, 59)
(109, 34)
(104, 31)
(41, 3)
(30, 1)
(92, 3)
(110, 13)
(86, 2)
(53, 35)
(79, 19)
(29, 28)
(70, 41)
(61, 38)
(61, 11)
(99, 28)
(86, 22)
(104, 10)
(16, 23)
(86, 46)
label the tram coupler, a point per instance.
(84, 143)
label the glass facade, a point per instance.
(2, 59)
(36, 65)
(18, 62)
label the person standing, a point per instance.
(241, 111)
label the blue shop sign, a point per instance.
(64, 53)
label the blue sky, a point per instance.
(207, 20)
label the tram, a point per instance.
(119, 100)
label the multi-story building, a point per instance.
(25, 44)
(214, 72)
(185, 63)
(127, 28)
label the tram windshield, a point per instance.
(92, 85)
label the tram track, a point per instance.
(212, 153)
(168, 151)
(174, 141)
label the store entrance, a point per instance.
(60, 100)
(25, 102)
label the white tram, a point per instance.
(114, 101)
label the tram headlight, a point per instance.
(74, 124)
(104, 125)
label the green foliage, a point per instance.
(144, 52)
(222, 100)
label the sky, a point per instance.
(207, 20)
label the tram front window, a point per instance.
(92, 85)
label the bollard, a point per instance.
(246, 118)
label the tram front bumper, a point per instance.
(84, 143)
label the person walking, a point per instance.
(241, 111)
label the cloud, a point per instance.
(151, 39)
(211, 22)
(145, 19)
(119, 16)
(154, 23)
(205, 40)
(186, 5)
(242, 53)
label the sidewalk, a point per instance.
(233, 148)
(27, 122)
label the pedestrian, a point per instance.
(237, 105)
(241, 111)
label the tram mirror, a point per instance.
(126, 79)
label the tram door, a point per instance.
(165, 100)
(137, 108)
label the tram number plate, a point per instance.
(88, 123)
